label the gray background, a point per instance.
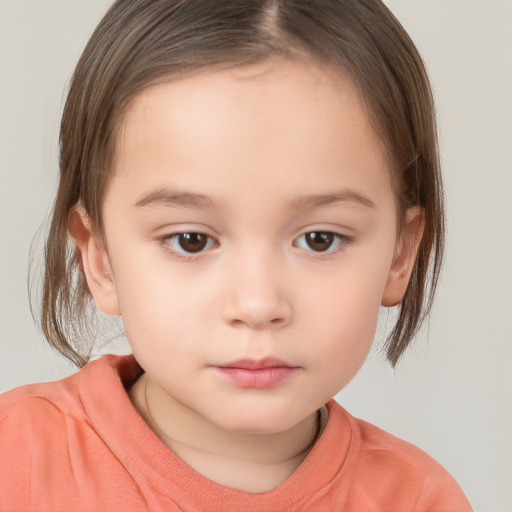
(452, 393)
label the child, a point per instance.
(246, 183)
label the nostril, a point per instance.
(256, 304)
(277, 322)
(274, 323)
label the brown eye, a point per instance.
(189, 243)
(320, 241)
(192, 242)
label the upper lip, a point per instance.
(257, 364)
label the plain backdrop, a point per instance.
(452, 393)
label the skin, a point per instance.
(254, 158)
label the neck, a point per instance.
(250, 462)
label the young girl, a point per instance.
(245, 183)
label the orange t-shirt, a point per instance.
(79, 445)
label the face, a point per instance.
(250, 232)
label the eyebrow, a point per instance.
(318, 200)
(175, 198)
(192, 200)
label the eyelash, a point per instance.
(171, 243)
(337, 239)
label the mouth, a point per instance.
(257, 373)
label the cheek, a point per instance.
(152, 306)
(343, 342)
(156, 306)
(347, 328)
(344, 311)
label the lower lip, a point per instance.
(262, 378)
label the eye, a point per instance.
(320, 241)
(189, 243)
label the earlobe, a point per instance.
(95, 262)
(405, 257)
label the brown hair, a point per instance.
(142, 42)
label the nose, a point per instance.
(256, 297)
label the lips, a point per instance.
(256, 373)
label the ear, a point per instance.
(95, 262)
(405, 257)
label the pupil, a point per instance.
(319, 241)
(192, 242)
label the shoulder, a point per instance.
(378, 447)
(399, 472)
(35, 417)
(33, 425)
(27, 402)
(65, 397)
(50, 432)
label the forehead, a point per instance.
(236, 123)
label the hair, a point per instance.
(140, 43)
